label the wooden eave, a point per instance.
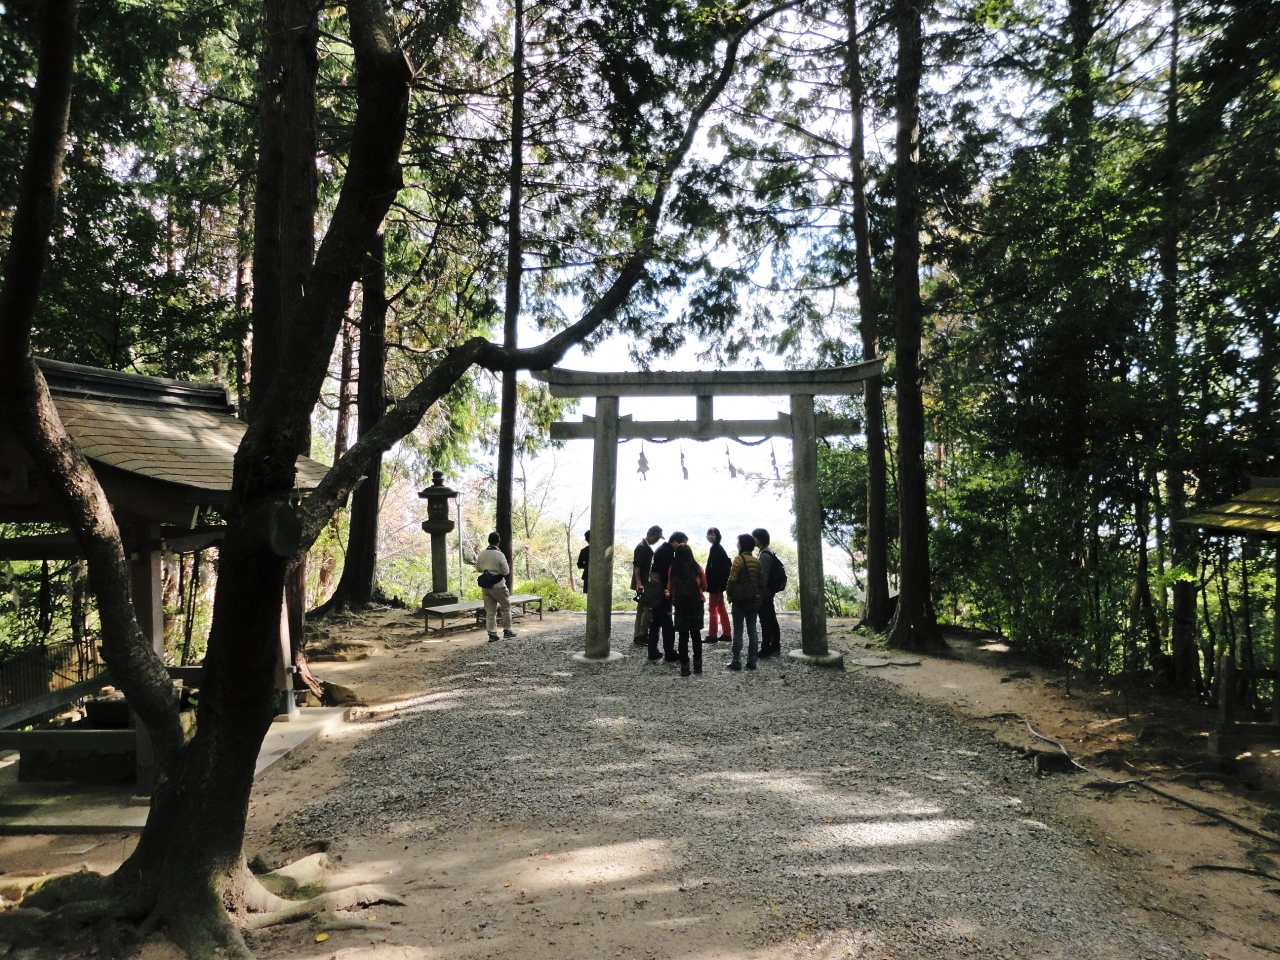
(1255, 513)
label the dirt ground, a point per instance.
(1155, 849)
(1158, 850)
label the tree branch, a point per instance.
(404, 416)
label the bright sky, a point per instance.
(709, 498)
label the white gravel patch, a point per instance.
(839, 805)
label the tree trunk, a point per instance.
(244, 294)
(342, 428)
(284, 222)
(877, 613)
(1144, 611)
(511, 314)
(357, 583)
(236, 703)
(913, 624)
(1182, 539)
(235, 711)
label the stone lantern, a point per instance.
(438, 525)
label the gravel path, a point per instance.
(825, 797)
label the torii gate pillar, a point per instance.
(808, 510)
(604, 485)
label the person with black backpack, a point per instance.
(774, 579)
(686, 584)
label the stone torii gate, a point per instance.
(803, 426)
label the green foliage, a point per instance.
(842, 600)
(555, 596)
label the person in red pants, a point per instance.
(718, 566)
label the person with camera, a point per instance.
(493, 569)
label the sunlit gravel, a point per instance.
(837, 804)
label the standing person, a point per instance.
(718, 566)
(770, 575)
(493, 570)
(685, 585)
(584, 558)
(655, 594)
(743, 591)
(641, 564)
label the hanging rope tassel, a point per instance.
(733, 471)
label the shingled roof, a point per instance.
(1255, 512)
(174, 431)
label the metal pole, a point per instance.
(604, 480)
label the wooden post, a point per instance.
(604, 481)
(1226, 692)
(1186, 655)
(286, 703)
(1275, 646)
(146, 584)
(808, 510)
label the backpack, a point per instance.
(777, 575)
(684, 589)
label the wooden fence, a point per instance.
(57, 666)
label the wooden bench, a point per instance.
(522, 600)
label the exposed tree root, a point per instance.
(329, 922)
(61, 921)
(309, 872)
(327, 903)
(85, 910)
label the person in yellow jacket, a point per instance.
(744, 591)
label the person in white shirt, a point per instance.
(491, 561)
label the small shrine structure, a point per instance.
(803, 426)
(1253, 514)
(164, 452)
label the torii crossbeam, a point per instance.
(803, 426)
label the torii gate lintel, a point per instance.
(803, 426)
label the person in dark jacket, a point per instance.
(770, 632)
(584, 559)
(655, 595)
(718, 565)
(641, 562)
(685, 586)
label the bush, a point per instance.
(555, 596)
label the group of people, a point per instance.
(673, 592)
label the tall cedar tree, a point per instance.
(914, 625)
